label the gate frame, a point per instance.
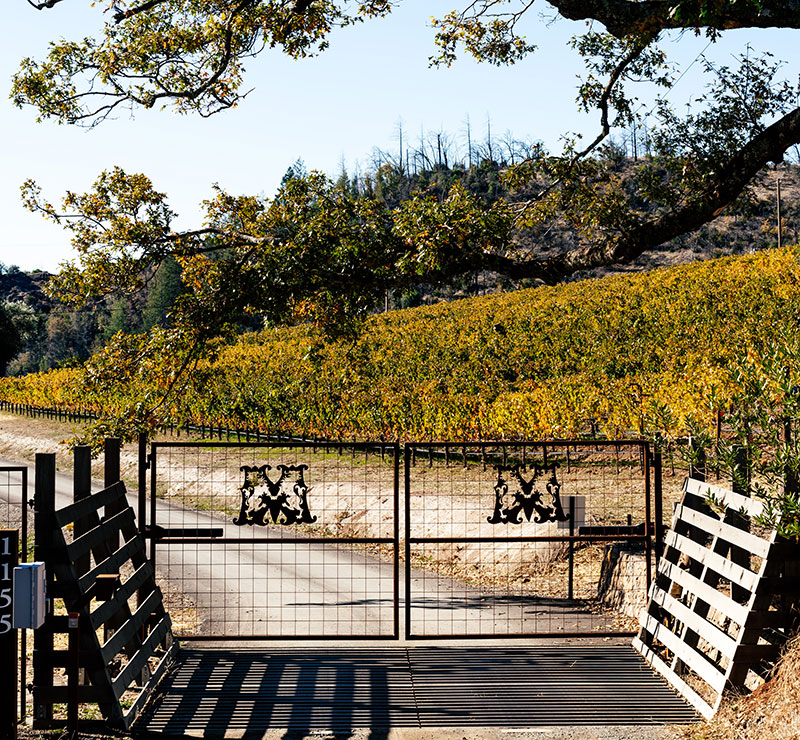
(148, 523)
(653, 531)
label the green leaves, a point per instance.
(488, 37)
(186, 53)
(450, 237)
(314, 253)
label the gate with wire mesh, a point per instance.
(292, 540)
(528, 539)
(276, 540)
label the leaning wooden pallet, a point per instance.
(123, 650)
(715, 611)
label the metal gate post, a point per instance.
(648, 527)
(142, 483)
(396, 534)
(407, 496)
(658, 504)
(152, 529)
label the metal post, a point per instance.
(658, 504)
(407, 451)
(789, 475)
(648, 527)
(396, 535)
(142, 483)
(571, 550)
(697, 460)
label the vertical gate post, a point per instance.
(740, 477)
(82, 487)
(697, 460)
(407, 452)
(142, 483)
(790, 483)
(658, 504)
(9, 652)
(44, 526)
(571, 558)
(24, 551)
(790, 486)
(111, 474)
(396, 535)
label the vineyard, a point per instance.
(634, 353)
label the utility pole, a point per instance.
(778, 183)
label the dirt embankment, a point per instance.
(21, 438)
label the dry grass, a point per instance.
(769, 713)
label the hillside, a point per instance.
(56, 336)
(649, 350)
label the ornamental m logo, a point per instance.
(537, 499)
(266, 501)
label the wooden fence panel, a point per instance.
(712, 617)
(124, 650)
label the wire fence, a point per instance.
(508, 539)
(277, 541)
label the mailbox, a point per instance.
(29, 596)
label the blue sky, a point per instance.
(335, 107)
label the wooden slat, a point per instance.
(735, 536)
(716, 599)
(86, 694)
(62, 658)
(113, 563)
(757, 620)
(87, 505)
(139, 659)
(702, 627)
(131, 627)
(158, 672)
(719, 564)
(757, 653)
(694, 660)
(732, 500)
(100, 534)
(686, 691)
(108, 608)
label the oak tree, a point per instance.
(317, 251)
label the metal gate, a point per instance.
(302, 541)
(276, 540)
(526, 539)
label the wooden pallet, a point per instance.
(716, 607)
(126, 639)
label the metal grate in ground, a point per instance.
(245, 692)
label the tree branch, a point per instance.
(122, 15)
(729, 182)
(625, 17)
(42, 6)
